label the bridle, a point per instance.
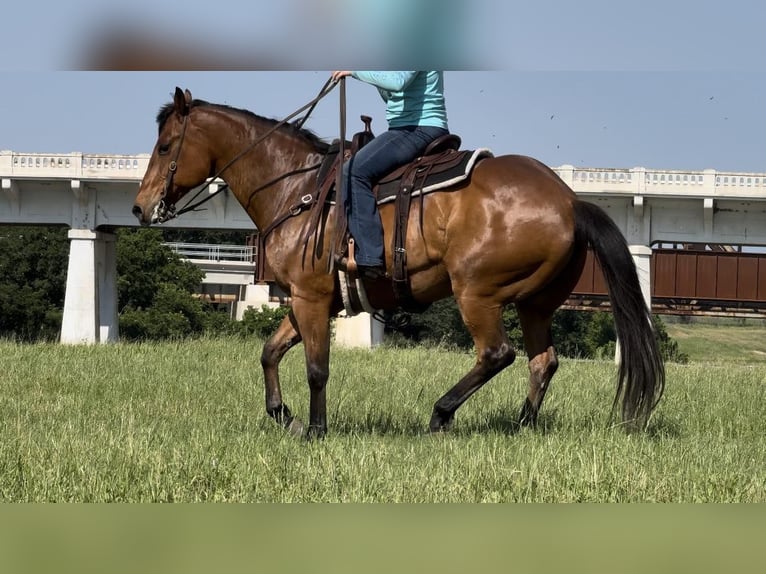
(165, 212)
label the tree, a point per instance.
(33, 265)
(155, 289)
(440, 324)
(578, 334)
(205, 236)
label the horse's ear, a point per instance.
(182, 101)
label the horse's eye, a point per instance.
(163, 149)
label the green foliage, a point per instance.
(144, 264)
(668, 347)
(264, 322)
(155, 290)
(156, 286)
(576, 334)
(205, 236)
(155, 294)
(439, 325)
(173, 314)
(33, 265)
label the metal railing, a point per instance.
(212, 252)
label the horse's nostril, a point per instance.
(137, 211)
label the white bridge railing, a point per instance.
(642, 181)
(213, 252)
(73, 165)
(705, 183)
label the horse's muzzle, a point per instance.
(139, 213)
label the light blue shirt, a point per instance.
(412, 98)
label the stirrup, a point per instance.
(348, 263)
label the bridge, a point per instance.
(92, 195)
(229, 275)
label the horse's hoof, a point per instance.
(315, 433)
(295, 428)
(527, 416)
(439, 424)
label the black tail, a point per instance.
(642, 372)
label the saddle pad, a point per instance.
(460, 172)
(388, 191)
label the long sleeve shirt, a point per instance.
(412, 98)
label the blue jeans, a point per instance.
(383, 154)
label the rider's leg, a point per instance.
(383, 154)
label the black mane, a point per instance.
(319, 144)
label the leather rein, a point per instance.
(170, 211)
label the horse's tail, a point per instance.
(641, 372)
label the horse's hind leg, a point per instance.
(538, 343)
(285, 337)
(494, 353)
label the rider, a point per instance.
(416, 115)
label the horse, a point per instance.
(513, 233)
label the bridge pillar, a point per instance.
(359, 331)
(256, 296)
(90, 301)
(642, 257)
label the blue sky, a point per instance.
(659, 84)
(664, 120)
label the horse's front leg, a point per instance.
(313, 319)
(285, 337)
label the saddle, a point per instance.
(442, 164)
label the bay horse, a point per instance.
(513, 233)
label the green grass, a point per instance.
(720, 344)
(186, 422)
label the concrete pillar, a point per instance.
(256, 296)
(106, 277)
(642, 257)
(90, 301)
(359, 331)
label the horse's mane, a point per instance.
(319, 144)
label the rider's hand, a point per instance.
(337, 75)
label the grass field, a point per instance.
(185, 422)
(721, 344)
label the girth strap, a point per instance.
(401, 278)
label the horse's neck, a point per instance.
(256, 179)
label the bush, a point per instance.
(668, 347)
(33, 265)
(439, 325)
(174, 313)
(156, 291)
(264, 322)
(576, 334)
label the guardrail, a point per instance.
(73, 165)
(642, 181)
(637, 180)
(212, 252)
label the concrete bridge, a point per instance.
(93, 194)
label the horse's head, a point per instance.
(177, 165)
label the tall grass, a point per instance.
(185, 421)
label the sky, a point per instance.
(595, 83)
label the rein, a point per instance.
(191, 206)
